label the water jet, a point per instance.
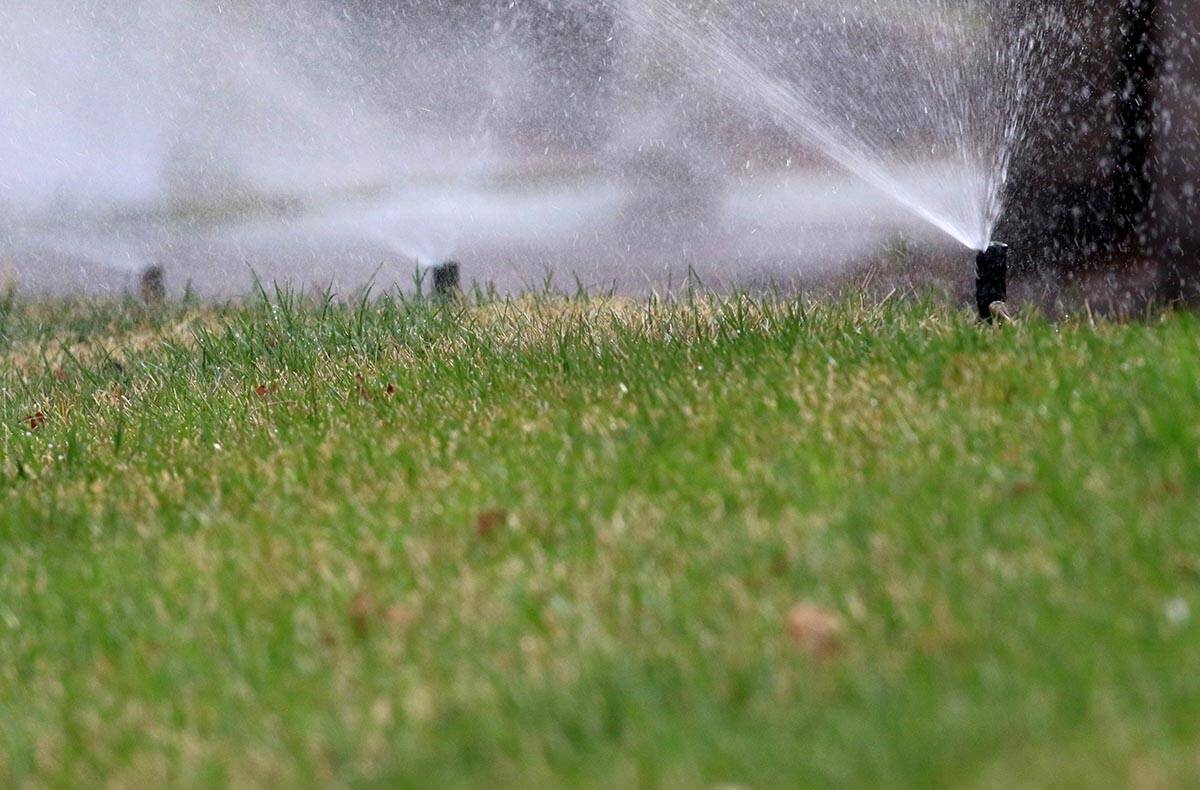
(991, 280)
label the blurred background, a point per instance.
(333, 143)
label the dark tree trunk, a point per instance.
(1137, 73)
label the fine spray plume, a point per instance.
(291, 141)
(926, 101)
(302, 141)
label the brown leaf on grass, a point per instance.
(362, 611)
(391, 390)
(365, 612)
(489, 521)
(815, 630)
(1024, 487)
(35, 420)
(263, 390)
(1186, 564)
(399, 616)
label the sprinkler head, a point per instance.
(152, 284)
(991, 280)
(447, 279)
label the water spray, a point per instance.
(447, 279)
(991, 281)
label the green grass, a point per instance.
(564, 547)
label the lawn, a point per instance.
(718, 541)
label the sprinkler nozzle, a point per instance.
(152, 284)
(447, 279)
(991, 283)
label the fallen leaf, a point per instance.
(815, 630)
(489, 521)
(1023, 487)
(36, 420)
(400, 616)
(362, 609)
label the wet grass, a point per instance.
(724, 541)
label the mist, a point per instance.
(320, 144)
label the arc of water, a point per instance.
(716, 51)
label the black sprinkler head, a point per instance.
(152, 284)
(991, 279)
(447, 279)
